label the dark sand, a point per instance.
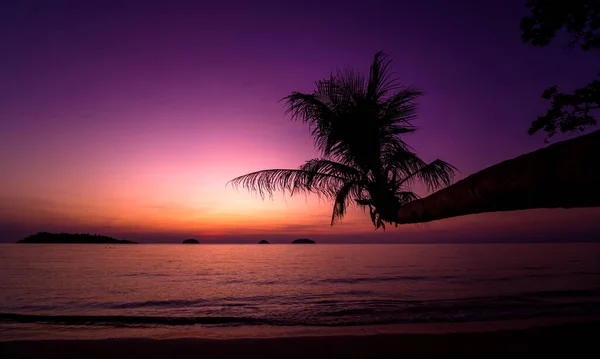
(568, 341)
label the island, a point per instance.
(303, 241)
(191, 241)
(263, 242)
(78, 238)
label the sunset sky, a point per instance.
(127, 118)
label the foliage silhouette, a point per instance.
(356, 122)
(580, 19)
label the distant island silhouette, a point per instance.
(303, 241)
(79, 238)
(263, 242)
(191, 241)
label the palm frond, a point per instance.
(316, 112)
(396, 114)
(341, 200)
(406, 196)
(349, 86)
(380, 80)
(326, 166)
(364, 201)
(434, 175)
(266, 182)
(401, 161)
(379, 223)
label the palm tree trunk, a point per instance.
(562, 175)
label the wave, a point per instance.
(586, 293)
(115, 320)
(375, 315)
(453, 278)
(527, 272)
(353, 296)
(340, 308)
(158, 303)
(318, 311)
(384, 279)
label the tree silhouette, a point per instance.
(356, 122)
(580, 19)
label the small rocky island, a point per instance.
(263, 242)
(75, 238)
(191, 241)
(303, 241)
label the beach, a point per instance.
(566, 340)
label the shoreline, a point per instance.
(566, 339)
(46, 332)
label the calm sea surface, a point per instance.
(46, 290)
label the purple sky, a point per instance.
(127, 118)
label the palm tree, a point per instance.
(356, 123)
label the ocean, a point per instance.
(91, 291)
